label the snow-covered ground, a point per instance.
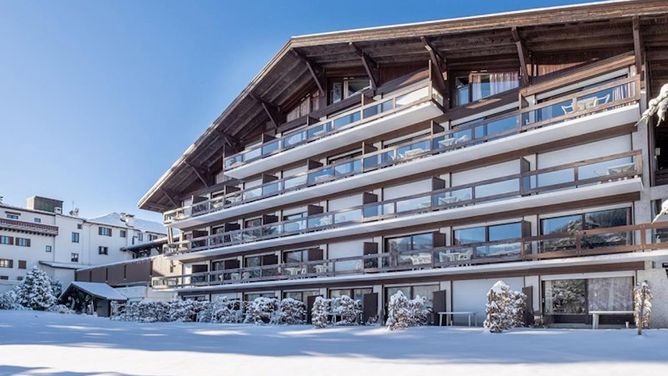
(37, 343)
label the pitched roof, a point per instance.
(99, 290)
(464, 41)
(116, 219)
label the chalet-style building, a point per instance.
(437, 158)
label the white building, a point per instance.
(41, 235)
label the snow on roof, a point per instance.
(115, 219)
(99, 290)
(61, 265)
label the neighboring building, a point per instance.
(437, 158)
(40, 234)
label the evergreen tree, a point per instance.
(35, 291)
(399, 312)
(291, 312)
(642, 301)
(319, 312)
(499, 308)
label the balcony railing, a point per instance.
(593, 171)
(610, 240)
(600, 98)
(340, 122)
(36, 228)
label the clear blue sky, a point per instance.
(98, 98)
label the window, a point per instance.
(124, 233)
(22, 264)
(253, 222)
(411, 292)
(103, 250)
(38, 220)
(290, 217)
(140, 236)
(13, 216)
(406, 244)
(4, 278)
(8, 240)
(347, 87)
(295, 256)
(305, 106)
(477, 86)
(568, 224)
(152, 237)
(104, 231)
(22, 242)
(75, 237)
(252, 296)
(6, 263)
(79, 226)
(302, 296)
(19, 278)
(357, 294)
(48, 248)
(74, 257)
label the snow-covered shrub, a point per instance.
(499, 308)
(184, 310)
(56, 287)
(9, 300)
(290, 312)
(35, 291)
(642, 305)
(420, 311)
(319, 312)
(61, 308)
(262, 310)
(146, 311)
(398, 312)
(348, 309)
(221, 310)
(518, 308)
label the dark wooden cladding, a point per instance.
(536, 42)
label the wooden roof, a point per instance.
(560, 35)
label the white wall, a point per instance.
(587, 151)
(408, 189)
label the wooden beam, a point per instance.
(438, 65)
(169, 197)
(273, 112)
(317, 73)
(637, 45)
(199, 172)
(523, 56)
(370, 66)
(229, 140)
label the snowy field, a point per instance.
(53, 344)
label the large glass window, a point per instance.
(302, 296)
(295, 256)
(591, 220)
(485, 234)
(610, 294)
(406, 244)
(477, 86)
(566, 297)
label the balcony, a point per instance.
(408, 106)
(600, 177)
(600, 241)
(28, 227)
(567, 116)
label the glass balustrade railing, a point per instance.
(350, 119)
(597, 170)
(626, 238)
(460, 137)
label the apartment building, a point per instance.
(436, 158)
(40, 234)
